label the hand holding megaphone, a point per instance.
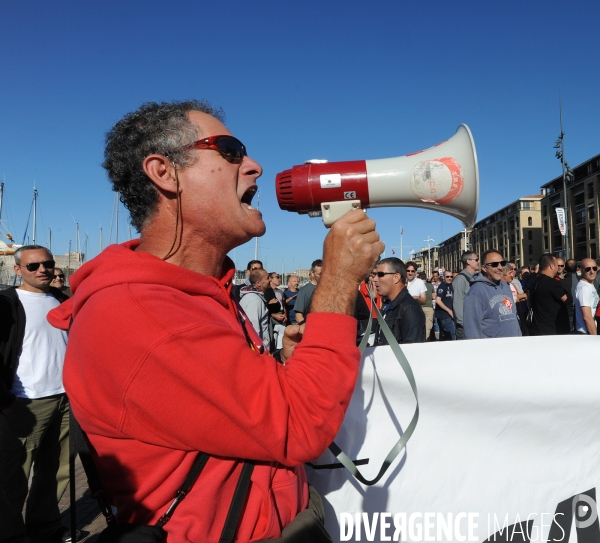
(350, 251)
(442, 178)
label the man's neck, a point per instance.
(392, 296)
(29, 288)
(200, 255)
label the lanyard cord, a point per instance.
(401, 443)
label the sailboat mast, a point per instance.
(35, 193)
(256, 239)
(1, 198)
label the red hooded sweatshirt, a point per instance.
(158, 368)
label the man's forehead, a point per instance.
(34, 254)
(206, 124)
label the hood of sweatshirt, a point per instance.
(121, 264)
(480, 278)
(252, 289)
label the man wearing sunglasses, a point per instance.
(34, 410)
(443, 308)
(401, 311)
(489, 309)
(586, 299)
(59, 282)
(163, 364)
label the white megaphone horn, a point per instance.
(442, 178)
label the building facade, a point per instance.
(515, 231)
(450, 251)
(582, 204)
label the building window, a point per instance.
(592, 231)
(557, 242)
(544, 210)
(545, 243)
(530, 249)
(590, 188)
(591, 212)
(580, 216)
(529, 221)
(530, 235)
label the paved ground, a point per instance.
(89, 519)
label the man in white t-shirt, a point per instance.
(586, 298)
(34, 410)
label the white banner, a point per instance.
(508, 441)
(561, 218)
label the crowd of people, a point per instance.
(486, 299)
(170, 368)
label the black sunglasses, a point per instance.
(231, 149)
(496, 264)
(33, 266)
(587, 270)
(381, 274)
(59, 276)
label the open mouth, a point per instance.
(248, 195)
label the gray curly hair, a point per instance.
(153, 128)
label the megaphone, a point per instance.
(443, 178)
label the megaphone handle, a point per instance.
(332, 211)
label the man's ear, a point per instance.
(161, 171)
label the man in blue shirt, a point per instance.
(289, 297)
(443, 308)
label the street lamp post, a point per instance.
(567, 173)
(428, 240)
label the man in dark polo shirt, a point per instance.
(443, 308)
(548, 298)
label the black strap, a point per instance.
(237, 504)
(187, 485)
(79, 444)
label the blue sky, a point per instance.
(297, 80)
